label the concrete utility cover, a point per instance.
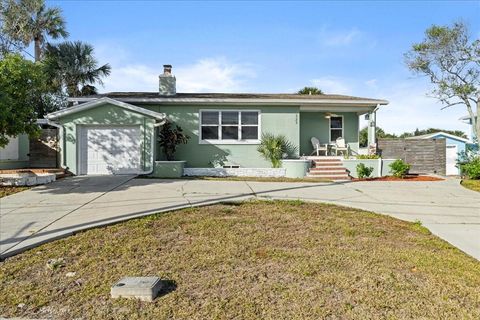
(143, 288)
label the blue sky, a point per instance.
(350, 47)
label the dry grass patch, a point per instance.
(256, 260)
(6, 191)
(471, 184)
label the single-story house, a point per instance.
(454, 146)
(117, 133)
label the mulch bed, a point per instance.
(411, 177)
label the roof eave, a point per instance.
(237, 101)
(95, 102)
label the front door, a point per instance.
(451, 156)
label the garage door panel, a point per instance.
(112, 150)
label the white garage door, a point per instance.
(451, 156)
(110, 150)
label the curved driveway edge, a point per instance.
(60, 209)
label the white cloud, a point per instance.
(332, 85)
(213, 75)
(206, 75)
(132, 78)
(409, 106)
(335, 38)
(372, 83)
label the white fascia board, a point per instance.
(360, 109)
(246, 101)
(100, 101)
(441, 133)
(451, 136)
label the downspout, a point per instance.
(152, 146)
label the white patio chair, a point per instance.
(318, 147)
(340, 146)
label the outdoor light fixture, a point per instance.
(328, 115)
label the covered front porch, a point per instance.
(328, 124)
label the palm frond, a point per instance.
(275, 148)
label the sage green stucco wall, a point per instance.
(105, 115)
(297, 126)
(314, 124)
(23, 150)
(276, 120)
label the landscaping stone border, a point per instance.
(235, 172)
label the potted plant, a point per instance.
(169, 138)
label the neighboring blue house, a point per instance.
(455, 145)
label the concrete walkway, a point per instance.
(67, 206)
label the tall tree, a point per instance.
(451, 59)
(7, 44)
(310, 91)
(22, 86)
(30, 20)
(380, 134)
(74, 68)
(422, 132)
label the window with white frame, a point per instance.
(229, 126)
(336, 128)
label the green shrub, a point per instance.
(275, 148)
(363, 171)
(368, 156)
(169, 138)
(472, 168)
(399, 168)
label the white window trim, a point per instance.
(330, 127)
(219, 141)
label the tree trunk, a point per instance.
(476, 123)
(38, 49)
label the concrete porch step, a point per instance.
(329, 167)
(327, 160)
(330, 177)
(328, 164)
(327, 173)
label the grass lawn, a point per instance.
(256, 260)
(6, 191)
(471, 184)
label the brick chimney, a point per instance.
(167, 82)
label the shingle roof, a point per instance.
(435, 134)
(286, 96)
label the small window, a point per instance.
(336, 128)
(229, 126)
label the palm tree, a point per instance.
(73, 67)
(31, 20)
(310, 91)
(275, 148)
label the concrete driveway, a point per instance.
(73, 204)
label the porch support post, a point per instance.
(372, 126)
